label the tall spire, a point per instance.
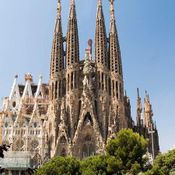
(100, 37)
(72, 9)
(112, 15)
(57, 55)
(114, 47)
(59, 9)
(72, 39)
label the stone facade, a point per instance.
(88, 104)
(24, 119)
(83, 105)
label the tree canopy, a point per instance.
(128, 149)
(163, 164)
(60, 166)
(94, 165)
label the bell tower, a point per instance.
(57, 60)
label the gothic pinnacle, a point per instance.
(112, 9)
(147, 95)
(72, 9)
(100, 37)
(99, 3)
(59, 9)
(112, 17)
(72, 2)
(57, 58)
(72, 39)
(99, 10)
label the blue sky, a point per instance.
(146, 31)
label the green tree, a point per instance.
(94, 165)
(127, 149)
(163, 164)
(114, 165)
(60, 166)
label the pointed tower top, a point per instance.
(147, 96)
(72, 2)
(72, 39)
(112, 18)
(112, 9)
(39, 86)
(115, 53)
(57, 63)
(28, 77)
(13, 87)
(99, 10)
(99, 3)
(72, 13)
(59, 9)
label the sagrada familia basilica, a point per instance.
(81, 107)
